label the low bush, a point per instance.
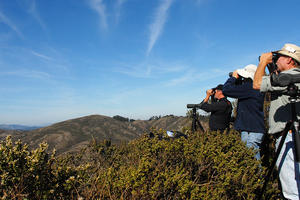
(203, 166)
(207, 165)
(34, 174)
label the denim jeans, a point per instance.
(252, 140)
(288, 168)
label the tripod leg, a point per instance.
(285, 132)
(297, 141)
(194, 128)
(194, 125)
(200, 126)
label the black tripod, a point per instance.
(291, 125)
(196, 121)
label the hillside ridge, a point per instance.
(73, 134)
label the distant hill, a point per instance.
(72, 135)
(17, 127)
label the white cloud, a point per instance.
(139, 71)
(100, 8)
(150, 69)
(4, 19)
(34, 12)
(157, 26)
(191, 76)
(27, 74)
(187, 77)
(41, 55)
(25, 62)
(118, 7)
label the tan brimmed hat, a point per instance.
(290, 50)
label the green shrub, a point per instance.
(206, 165)
(203, 166)
(34, 174)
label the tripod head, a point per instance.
(196, 106)
(195, 121)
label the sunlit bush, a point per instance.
(34, 174)
(203, 166)
(208, 165)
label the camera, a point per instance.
(239, 80)
(272, 67)
(213, 91)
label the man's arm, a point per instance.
(204, 105)
(240, 91)
(265, 59)
(208, 94)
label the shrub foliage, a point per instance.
(202, 166)
(34, 174)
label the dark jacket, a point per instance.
(250, 115)
(220, 113)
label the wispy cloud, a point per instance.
(47, 58)
(100, 8)
(157, 26)
(4, 19)
(41, 55)
(139, 71)
(27, 74)
(150, 69)
(191, 75)
(35, 14)
(118, 7)
(186, 77)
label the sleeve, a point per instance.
(232, 90)
(266, 85)
(215, 106)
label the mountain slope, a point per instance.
(71, 135)
(75, 133)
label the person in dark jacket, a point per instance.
(220, 109)
(250, 117)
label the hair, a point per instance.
(296, 63)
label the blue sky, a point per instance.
(62, 59)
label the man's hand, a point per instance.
(209, 92)
(266, 58)
(235, 74)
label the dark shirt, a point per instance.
(250, 115)
(220, 113)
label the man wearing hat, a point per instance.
(250, 116)
(220, 109)
(280, 113)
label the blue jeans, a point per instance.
(252, 140)
(288, 168)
